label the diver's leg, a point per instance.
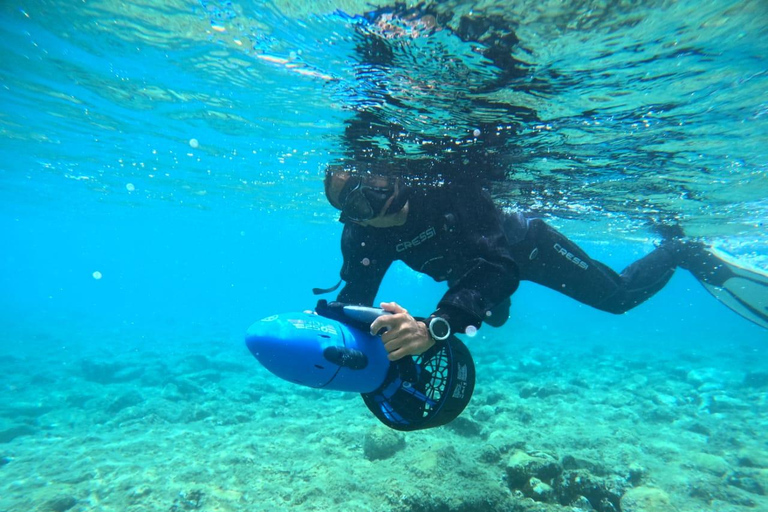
(744, 290)
(547, 257)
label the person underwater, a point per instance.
(457, 234)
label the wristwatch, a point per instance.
(438, 327)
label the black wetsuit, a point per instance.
(458, 235)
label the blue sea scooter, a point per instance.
(331, 348)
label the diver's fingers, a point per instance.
(383, 322)
(393, 343)
(393, 307)
(397, 354)
(396, 318)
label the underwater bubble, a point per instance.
(129, 187)
(97, 275)
(476, 132)
(193, 143)
(471, 331)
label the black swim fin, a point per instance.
(744, 290)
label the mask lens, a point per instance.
(357, 207)
(360, 202)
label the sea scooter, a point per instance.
(331, 348)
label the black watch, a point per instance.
(439, 328)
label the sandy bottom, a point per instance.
(547, 430)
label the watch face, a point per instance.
(439, 328)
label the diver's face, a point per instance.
(387, 221)
(366, 200)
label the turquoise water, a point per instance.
(161, 173)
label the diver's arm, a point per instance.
(359, 291)
(488, 274)
(476, 293)
(363, 268)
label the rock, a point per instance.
(528, 391)
(544, 391)
(580, 383)
(603, 494)
(756, 379)
(495, 397)
(710, 387)
(206, 377)
(752, 459)
(490, 454)
(188, 389)
(108, 373)
(702, 376)
(465, 426)
(522, 466)
(171, 392)
(484, 413)
(530, 364)
(725, 403)
(382, 443)
(139, 493)
(550, 389)
(195, 363)
(505, 441)
(60, 504)
(746, 481)
(8, 435)
(663, 414)
(31, 410)
(539, 491)
(692, 425)
(127, 400)
(571, 462)
(636, 473)
(664, 399)
(636, 382)
(581, 504)
(191, 500)
(645, 499)
(707, 463)
(78, 400)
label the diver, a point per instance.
(457, 234)
(418, 193)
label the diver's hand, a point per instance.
(405, 335)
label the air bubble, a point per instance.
(96, 275)
(193, 143)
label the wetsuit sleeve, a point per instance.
(487, 273)
(365, 264)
